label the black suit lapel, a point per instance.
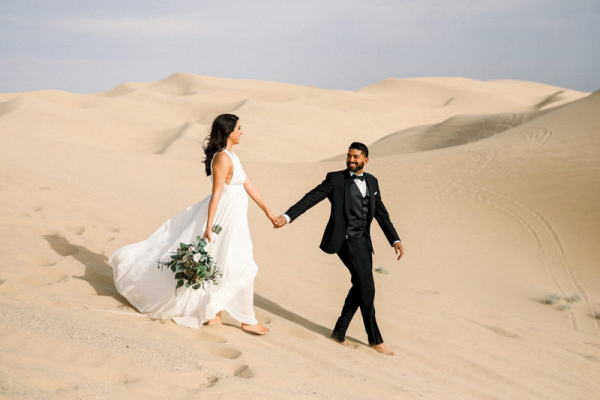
(347, 183)
(371, 189)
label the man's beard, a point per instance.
(358, 167)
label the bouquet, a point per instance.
(193, 264)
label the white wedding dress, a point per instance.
(152, 290)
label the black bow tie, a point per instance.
(359, 177)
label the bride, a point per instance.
(152, 290)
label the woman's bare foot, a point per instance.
(216, 320)
(256, 329)
(383, 349)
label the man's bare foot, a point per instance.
(345, 343)
(383, 349)
(216, 320)
(257, 329)
(348, 344)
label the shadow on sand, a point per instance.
(98, 273)
(276, 309)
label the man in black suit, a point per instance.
(355, 201)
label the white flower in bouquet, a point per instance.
(193, 264)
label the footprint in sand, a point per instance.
(76, 230)
(37, 261)
(57, 277)
(151, 384)
(47, 276)
(212, 381)
(238, 370)
(100, 234)
(211, 337)
(40, 275)
(243, 371)
(223, 352)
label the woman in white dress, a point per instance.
(152, 290)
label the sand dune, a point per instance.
(493, 187)
(452, 92)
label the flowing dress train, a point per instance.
(152, 290)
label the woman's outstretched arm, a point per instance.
(253, 192)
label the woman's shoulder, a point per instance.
(222, 158)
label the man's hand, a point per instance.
(281, 221)
(399, 249)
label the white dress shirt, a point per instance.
(361, 185)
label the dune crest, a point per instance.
(455, 131)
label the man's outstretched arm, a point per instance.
(309, 200)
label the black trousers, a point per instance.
(357, 257)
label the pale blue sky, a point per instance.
(92, 46)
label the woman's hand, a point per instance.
(271, 217)
(207, 235)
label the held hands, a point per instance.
(280, 222)
(399, 249)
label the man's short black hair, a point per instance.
(361, 147)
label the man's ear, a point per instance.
(366, 160)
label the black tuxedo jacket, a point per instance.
(336, 187)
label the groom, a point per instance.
(355, 201)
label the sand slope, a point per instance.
(493, 187)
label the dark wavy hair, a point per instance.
(222, 127)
